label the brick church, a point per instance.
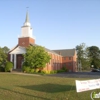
(59, 58)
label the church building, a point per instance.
(59, 58)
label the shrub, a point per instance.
(64, 69)
(55, 71)
(67, 70)
(48, 72)
(2, 69)
(23, 68)
(45, 72)
(61, 70)
(8, 66)
(26, 69)
(32, 70)
(52, 72)
(37, 70)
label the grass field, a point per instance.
(23, 87)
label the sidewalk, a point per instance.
(21, 73)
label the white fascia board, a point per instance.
(19, 50)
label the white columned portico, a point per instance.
(15, 61)
(11, 57)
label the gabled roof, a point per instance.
(19, 50)
(51, 51)
(48, 50)
(62, 52)
(13, 48)
(66, 52)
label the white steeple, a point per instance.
(26, 28)
(27, 23)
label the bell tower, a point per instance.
(26, 37)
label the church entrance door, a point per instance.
(19, 61)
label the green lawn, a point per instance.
(23, 87)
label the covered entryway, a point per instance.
(16, 57)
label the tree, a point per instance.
(5, 49)
(80, 51)
(82, 55)
(36, 57)
(3, 57)
(94, 54)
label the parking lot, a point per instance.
(78, 74)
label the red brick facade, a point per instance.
(70, 63)
(57, 61)
(25, 41)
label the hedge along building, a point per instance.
(59, 58)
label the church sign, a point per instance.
(87, 85)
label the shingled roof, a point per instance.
(66, 52)
(48, 50)
(62, 52)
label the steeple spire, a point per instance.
(27, 17)
(27, 23)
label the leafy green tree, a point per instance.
(5, 49)
(36, 57)
(82, 55)
(94, 54)
(3, 57)
(80, 51)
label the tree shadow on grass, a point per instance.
(50, 88)
(37, 97)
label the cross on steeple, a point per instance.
(27, 8)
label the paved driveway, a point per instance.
(78, 74)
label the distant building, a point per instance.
(59, 58)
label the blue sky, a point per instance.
(57, 24)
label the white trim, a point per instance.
(19, 50)
(15, 61)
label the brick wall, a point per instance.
(55, 62)
(70, 63)
(26, 41)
